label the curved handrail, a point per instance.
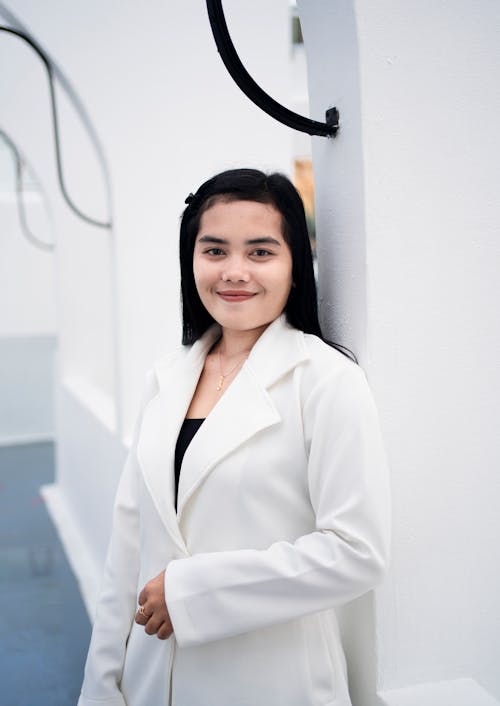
(253, 91)
(48, 66)
(18, 160)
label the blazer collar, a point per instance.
(242, 411)
(279, 349)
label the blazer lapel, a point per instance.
(245, 408)
(177, 377)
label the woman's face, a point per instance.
(242, 264)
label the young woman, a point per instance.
(254, 499)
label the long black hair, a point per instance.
(301, 309)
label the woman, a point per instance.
(222, 578)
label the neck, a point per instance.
(235, 343)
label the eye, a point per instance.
(261, 252)
(215, 252)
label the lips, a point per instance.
(235, 295)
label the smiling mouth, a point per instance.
(236, 296)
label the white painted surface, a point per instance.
(458, 692)
(408, 226)
(27, 319)
(82, 270)
(89, 459)
(27, 389)
(27, 293)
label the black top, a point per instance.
(188, 430)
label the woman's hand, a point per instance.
(153, 612)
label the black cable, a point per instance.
(21, 210)
(49, 69)
(251, 89)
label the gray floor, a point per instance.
(44, 628)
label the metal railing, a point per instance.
(50, 74)
(21, 210)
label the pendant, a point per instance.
(221, 382)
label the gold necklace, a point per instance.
(224, 376)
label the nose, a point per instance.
(235, 270)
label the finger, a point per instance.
(154, 623)
(142, 616)
(164, 631)
(142, 597)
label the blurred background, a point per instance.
(404, 214)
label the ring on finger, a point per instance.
(141, 611)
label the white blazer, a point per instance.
(283, 514)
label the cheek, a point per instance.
(280, 284)
(200, 272)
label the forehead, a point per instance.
(234, 218)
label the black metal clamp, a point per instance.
(253, 91)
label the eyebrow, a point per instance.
(253, 241)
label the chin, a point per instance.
(241, 323)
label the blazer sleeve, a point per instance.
(118, 600)
(220, 594)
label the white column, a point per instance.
(408, 222)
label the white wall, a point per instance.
(27, 317)
(168, 116)
(408, 225)
(26, 272)
(27, 389)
